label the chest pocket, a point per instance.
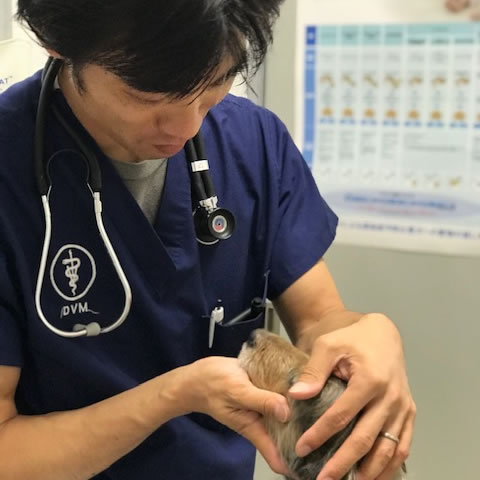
(231, 333)
(228, 339)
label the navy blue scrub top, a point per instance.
(283, 228)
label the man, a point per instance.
(154, 398)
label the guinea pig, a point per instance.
(274, 364)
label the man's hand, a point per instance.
(369, 356)
(219, 387)
(457, 5)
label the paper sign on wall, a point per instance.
(15, 62)
(391, 130)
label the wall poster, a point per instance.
(388, 119)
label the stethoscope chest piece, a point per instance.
(213, 226)
(211, 222)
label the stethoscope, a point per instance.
(212, 223)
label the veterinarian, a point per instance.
(130, 254)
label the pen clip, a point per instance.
(216, 316)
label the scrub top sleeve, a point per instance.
(11, 352)
(305, 224)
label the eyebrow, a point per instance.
(232, 72)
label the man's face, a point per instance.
(130, 125)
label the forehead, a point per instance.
(272, 344)
(94, 74)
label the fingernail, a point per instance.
(282, 413)
(303, 450)
(300, 387)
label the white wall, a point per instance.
(20, 56)
(38, 55)
(5, 23)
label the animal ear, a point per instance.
(292, 377)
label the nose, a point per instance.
(188, 119)
(252, 339)
(185, 126)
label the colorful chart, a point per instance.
(392, 125)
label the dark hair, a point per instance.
(168, 46)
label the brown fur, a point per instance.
(274, 364)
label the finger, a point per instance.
(336, 418)
(356, 446)
(383, 451)
(402, 451)
(266, 403)
(316, 372)
(459, 5)
(456, 5)
(255, 432)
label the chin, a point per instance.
(164, 151)
(274, 364)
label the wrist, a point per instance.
(184, 389)
(327, 324)
(175, 391)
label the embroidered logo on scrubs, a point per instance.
(73, 272)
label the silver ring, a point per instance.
(391, 437)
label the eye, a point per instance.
(146, 101)
(138, 97)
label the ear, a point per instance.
(53, 53)
(292, 377)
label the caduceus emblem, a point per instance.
(72, 264)
(66, 265)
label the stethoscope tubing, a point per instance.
(201, 183)
(94, 184)
(93, 328)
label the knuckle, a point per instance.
(363, 442)
(396, 399)
(386, 454)
(401, 454)
(413, 409)
(337, 420)
(310, 373)
(230, 396)
(320, 342)
(377, 381)
(323, 344)
(267, 407)
(381, 460)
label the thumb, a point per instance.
(309, 384)
(267, 403)
(315, 373)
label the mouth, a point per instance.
(169, 149)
